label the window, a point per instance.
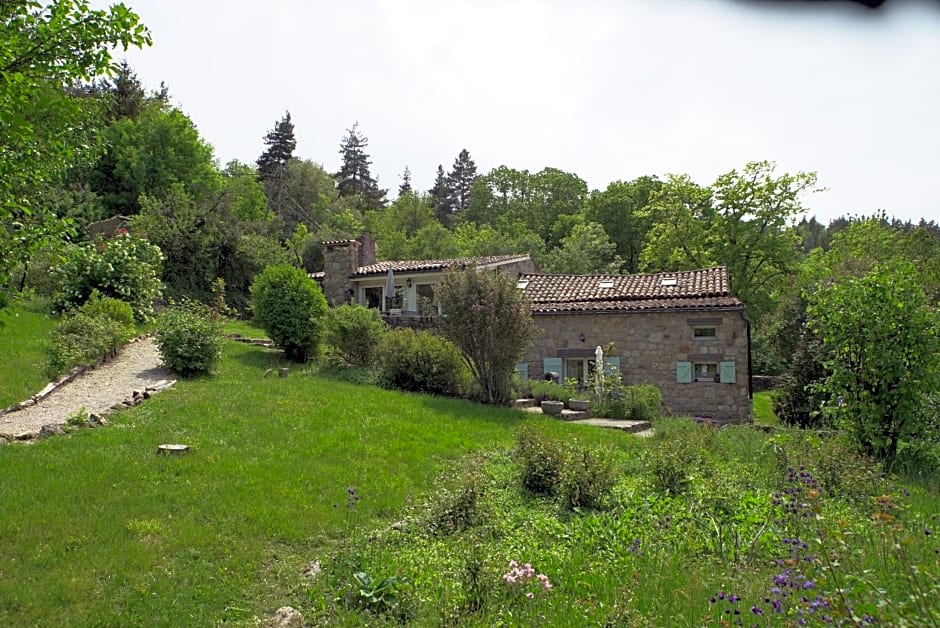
(705, 372)
(579, 370)
(669, 281)
(606, 283)
(372, 297)
(426, 303)
(705, 333)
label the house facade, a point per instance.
(682, 331)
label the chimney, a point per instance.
(340, 261)
(367, 249)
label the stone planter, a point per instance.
(581, 405)
(553, 408)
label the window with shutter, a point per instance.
(728, 374)
(684, 372)
(611, 365)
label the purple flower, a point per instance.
(756, 610)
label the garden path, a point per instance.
(131, 375)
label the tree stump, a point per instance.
(172, 450)
(282, 372)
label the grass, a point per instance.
(246, 328)
(24, 340)
(764, 409)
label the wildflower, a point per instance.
(530, 595)
(756, 610)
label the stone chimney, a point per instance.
(367, 249)
(340, 261)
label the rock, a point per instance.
(50, 429)
(398, 525)
(172, 449)
(118, 406)
(553, 408)
(45, 391)
(288, 617)
(146, 394)
(27, 403)
(28, 435)
(312, 570)
(94, 420)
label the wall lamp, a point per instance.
(581, 337)
(408, 282)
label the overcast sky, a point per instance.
(608, 90)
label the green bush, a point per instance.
(189, 338)
(356, 332)
(542, 460)
(544, 390)
(291, 309)
(115, 309)
(457, 506)
(589, 477)
(636, 403)
(422, 362)
(81, 338)
(676, 457)
(123, 267)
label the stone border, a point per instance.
(258, 342)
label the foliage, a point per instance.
(123, 267)
(272, 164)
(379, 595)
(354, 178)
(356, 332)
(25, 332)
(291, 309)
(422, 362)
(83, 338)
(456, 506)
(43, 50)
(544, 390)
(115, 309)
(883, 344)
(589, 477)
(618, 210)
(460, 180)
(541, 458)
(676, 458)
(486, 317)
(585, 251)
(189, 338)
(641, 402)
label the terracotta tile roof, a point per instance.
(338, 242)
(430, 265)
(707, 288)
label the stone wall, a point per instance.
(649, 344)
(340, 261)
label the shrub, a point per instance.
(355, 332)
(677, 456)
(457, 507)
(124, 267)
(636, 403)
(115, 309)
(81, 338)
(542, 459)
(422, 362)
(189, 339)
(543, 390)
(588, 477)
(291, 309)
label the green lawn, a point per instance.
(764, 409)
(24, 340)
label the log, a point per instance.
(172, 450)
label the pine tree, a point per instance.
(440, 197)
(354, 178)
(273, 162)
(460, 180)
(405, 182)
(127, 93)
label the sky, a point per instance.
(607, 89)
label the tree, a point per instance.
(618, 210)
(485, 315)
(128, 96)
(405, 186)
(460, 180)
(441, 197)
(354, 178)
(272, 163)
(679, 238)
(585, 251)
(43, 50)
(883, 357)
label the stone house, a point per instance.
(683, 331)
(402, 290)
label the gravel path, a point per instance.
(135, 368)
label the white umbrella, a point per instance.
(389, 289)
(599, 367)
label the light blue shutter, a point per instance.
(727, 373)
(523, 370)
(554, 365)
(612, 366)
(684, 372)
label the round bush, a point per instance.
(115, 309)
(356, 332)
(189, 339)
(291, 309)
(423, 362)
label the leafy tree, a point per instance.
(679, 238)
(487, 318)
(883, 344)
(310, 196)
(441, 200)
(586, 251)
(242, 192)
(291, 309)
(405, 186)
(354, 178)
(43, 50)
(618, 210)
(460, 180)
(272, 163)
(151, 154)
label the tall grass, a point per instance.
(24, 342)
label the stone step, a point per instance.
(617, 424)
